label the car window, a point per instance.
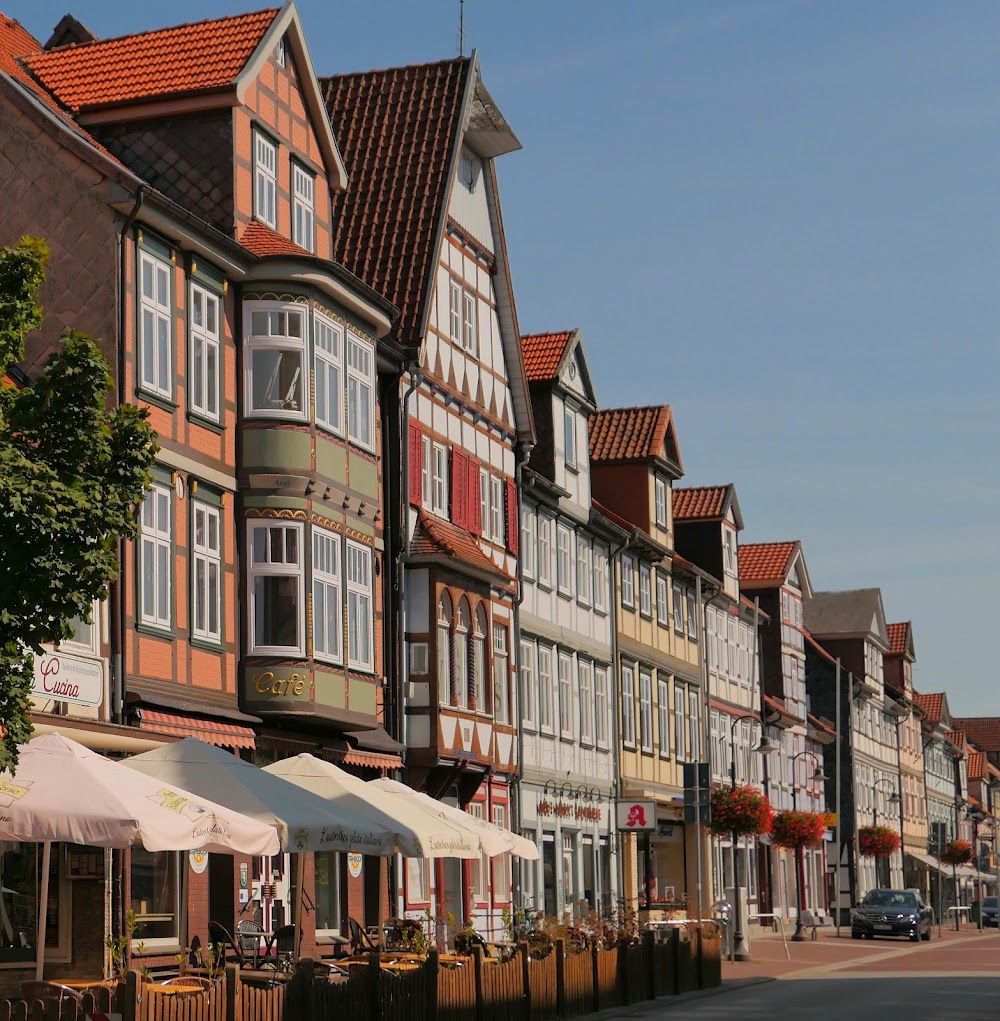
(989, 902)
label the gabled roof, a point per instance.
(634, 434)
(982, 730)
(770, 564)
(16, 41)
(198, 57)
(853, 613)
(932, 706)
(543, 354)
(706, 503)
(901, 640)
(434, 537)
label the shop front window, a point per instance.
(156, 896)
(18, 902)
(327, 896)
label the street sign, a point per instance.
(829, 819)
(636, 815)
(697, 793)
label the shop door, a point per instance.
(221, 897)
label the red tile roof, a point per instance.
(436, 537)
(629, 434)
(262, 241)
(699, 502)
(397, 130)
(16, 41)
(765, 561)
(931, 705)
(613, 516)
(199, 57)
(956, 737)
(897, 637)
(542, 354)
(982, 730)
(976, 759)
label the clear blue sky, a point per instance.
(780, 217)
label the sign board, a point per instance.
(697, 793)
(829, 819)
(354, 863)
(244, 875)
(637, 815)
(69, 679)
(199, 861)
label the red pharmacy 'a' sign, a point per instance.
(637, 815)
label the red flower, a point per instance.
(877, 841)
(958, 852)
(740, 810)
(797, 829)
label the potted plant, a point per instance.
(957, 852)
(877, 841)
(797, 829)
(744, 811)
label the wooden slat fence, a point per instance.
(578, 984)
(456, 994)
(542, 988)
(500, 988)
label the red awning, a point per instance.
(373, 760)
(225, 735)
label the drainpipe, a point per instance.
(613, 555)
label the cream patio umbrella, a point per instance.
(63, 791)
(493, 839)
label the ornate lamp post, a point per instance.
(799, 935)
(893, 800)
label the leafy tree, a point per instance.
(72, 473)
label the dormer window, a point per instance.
(660, 500)
(730, 551)
(265, 181)
(569, 434)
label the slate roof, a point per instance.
(629, 434)
(982, 730)
(197, 57)
(842, 613)
(397, 130)
(931, 705)
(702, 502)
(897, 638)
(542, 354)
(262, 241)
(764, 562)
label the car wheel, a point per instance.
(915, 938)
(926, 936)
(869, 935)
(855, 935)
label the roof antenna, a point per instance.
(461, 28)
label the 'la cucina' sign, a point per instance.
(68, 679)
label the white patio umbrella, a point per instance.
(493, 839)
(418, 834)
(63, 791)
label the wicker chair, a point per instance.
(248, 934)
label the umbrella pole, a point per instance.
(300, 864)
(43, 911)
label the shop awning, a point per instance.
(224, 735)
(373, 748)
(924, 859)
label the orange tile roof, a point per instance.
(628, 434)
(821, 723)
(542, 354)
(956, 737)
(198, 57)
(16, 41)
(897, 637)
(396, 130)
(982, 730)
(931, 705)
(699, 502)
(262, 241)
(976, 759)
(613, 516)
(764, 561)
(435, 537)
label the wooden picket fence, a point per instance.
(559, 986)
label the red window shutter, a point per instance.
(460, 488)
(512, 522)
(416, 464)
(475, 520)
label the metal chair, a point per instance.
(248, 934)
(219, 937)
(34, 991)
(361, 942)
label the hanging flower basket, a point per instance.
(877, 841)
(740, 810)
(797, 829)
(957, 852)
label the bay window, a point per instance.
(157, 558)
(156, 371)
(276, 349)
(206, 569)
(326, 588)
(205, 353)
(360, 392)
(276, 589)
(359, 606)
(328, 365)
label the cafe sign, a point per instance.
(65, 678)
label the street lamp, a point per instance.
(765, 748)
(799, 935)
(977, 817)
(893, 800)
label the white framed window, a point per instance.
(601, 706)
(501, 862)
(528, 550)
(694, 726)
(544, 551)
(439, 479)
(730, 550)
(280, 57)
(277, 578)
(660, 501)
(663, 712)
(565, 695)
(583, 570)
(85, 640)
(628, 582)
(426, 471)
(479, 662)
(569, 435)
(326, 892)
(496, 509)
(586, 675)
(628, 707)
(680, 744)
(529, 685)
(205, 353)
(155, 326)
(501, 676)
(469, 321)
(463, 625)
(600, 580)
(678, 592)
(662, 602)
(692, 615)
(645, 596)
(157, 895)
(484, 503)
(455, 311)
(327, 604)
(328, 339)
(265, 191)
(206, 572)
(360, 391)
(646, 710)
(359, 606)
(563, 560)
(276, 344)
(480, 865)
(157, 558)
(444, 649)
(545, 707)
(303, 208)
